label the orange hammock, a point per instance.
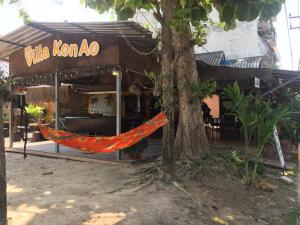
(105, 144)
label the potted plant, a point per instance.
(35, 115)
(35, 112)
(135, 152)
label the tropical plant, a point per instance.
(266, 120)
(35, 112)
(256, 117)
(239, 106)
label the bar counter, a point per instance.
(104, 125)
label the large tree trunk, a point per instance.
(168, 88)
(3, 206)
(191, 140)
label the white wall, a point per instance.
(241, 42)
(238, 43)
(282, 27)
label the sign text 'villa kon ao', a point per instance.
(60, 49)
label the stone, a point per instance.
(286, 180)
(266, 186)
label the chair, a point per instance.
(215, 125)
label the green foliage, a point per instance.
(6, 116)
(239, 106)
(161, 100)
(156, 79)
(295, 103)
(24, 16)
(199, 34)
(230, 11)
(124, 8)
(266, 119)
(204, 88)
(4, 86)
(221, 161)
(291, 218)
(241, 163)
(257, 117)
(194, 12)
(35, 111)
(3, 79)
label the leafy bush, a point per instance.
(257, 117)
(241, 163)
(204, 88)
(35, 112)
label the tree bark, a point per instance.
(191, 140)
(168, 140)
(3, 203)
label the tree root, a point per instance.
(142, 178)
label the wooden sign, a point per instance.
(60, 49)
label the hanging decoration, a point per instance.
(105, 144)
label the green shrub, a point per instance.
(35, 112)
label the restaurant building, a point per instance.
(91, 77)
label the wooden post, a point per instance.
(57, 84)
(118, 108)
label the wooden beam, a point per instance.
(12, 43)
(84, 28)
(280, 86)
(43, 28)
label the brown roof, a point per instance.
(36, 31)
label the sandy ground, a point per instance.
(43, 191)
(77, 193)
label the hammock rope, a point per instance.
(105, 144)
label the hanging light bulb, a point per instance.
(115, 72)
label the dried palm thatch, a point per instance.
(46, 94)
